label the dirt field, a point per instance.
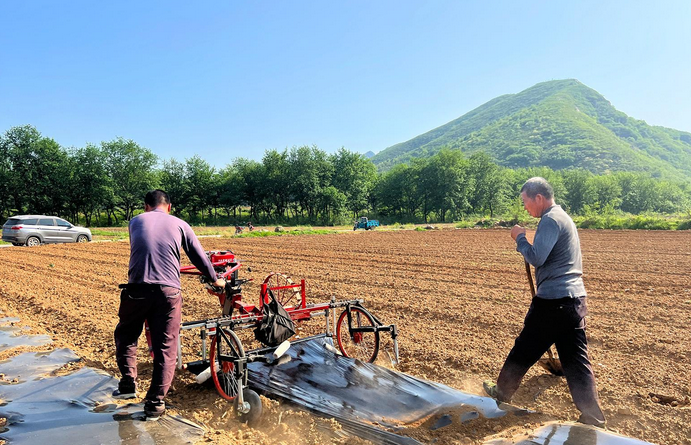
(457, 296)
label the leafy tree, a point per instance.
(444, 184)
(355, 176)
(230, 190)
(199, 176)
(251, 176)
(606, 190)
(397, 192)
(579, 190)
(90, 185)
(131, 169)
(311, 172)
(637, 192)
(18, 147)
(278, 175)
(491, 185)
(173, 179)
(36, 170)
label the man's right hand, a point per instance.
(220, 282)
(517, 230)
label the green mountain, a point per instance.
(559, 124)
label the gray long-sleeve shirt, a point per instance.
(155, 241)
(556, 255)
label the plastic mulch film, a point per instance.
(569, 434)
(29, 365)
(370, 401)
(10, 335)
(76, 408)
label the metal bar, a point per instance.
(260, 351)
(179, 360)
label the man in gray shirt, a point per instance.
(153, 295)
(557, 313)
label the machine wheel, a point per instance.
(82, 239)
(363, 346)
(223, 371)
(32, 241)
(287, 297)
(255, 413)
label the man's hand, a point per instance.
(219, 283)
(517, 230)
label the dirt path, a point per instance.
(458, 297)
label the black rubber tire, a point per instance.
(82, 239)
(253, 417)
(32, 241)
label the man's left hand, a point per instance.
(517, 230)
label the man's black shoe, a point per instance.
(125, 391)
(590, 420)
(491, 389)
(154, 410)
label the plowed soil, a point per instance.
(457, 296)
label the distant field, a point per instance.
(458, 298)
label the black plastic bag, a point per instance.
(276, 326)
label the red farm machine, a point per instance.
(355, 329)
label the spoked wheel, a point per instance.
(222, 353)
(286, 297)
(362, 345)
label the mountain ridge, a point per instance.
(559, 124)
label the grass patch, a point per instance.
(617, 221)
(399, 226)
(292, 232)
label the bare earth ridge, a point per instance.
(457, 296)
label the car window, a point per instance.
(46, 222)
(12, 222)
(63, 223)
(29, 222)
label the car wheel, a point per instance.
(82, 239)
(32, 241)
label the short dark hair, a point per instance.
(156, 197)
(537, 186)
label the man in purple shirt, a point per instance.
(153, 294)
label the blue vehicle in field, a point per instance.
(366, 224)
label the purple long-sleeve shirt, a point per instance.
(155, 241)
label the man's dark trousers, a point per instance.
(160, 306)
(560, 322)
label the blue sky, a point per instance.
(232, 79)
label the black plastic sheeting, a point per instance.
(371, 401)
(30, 365)
(10, 335)
(76, 408)
(361, 396)
(570, 434)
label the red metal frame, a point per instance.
(242, 310)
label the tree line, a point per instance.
(105, 184)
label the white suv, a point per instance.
(33, 230)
